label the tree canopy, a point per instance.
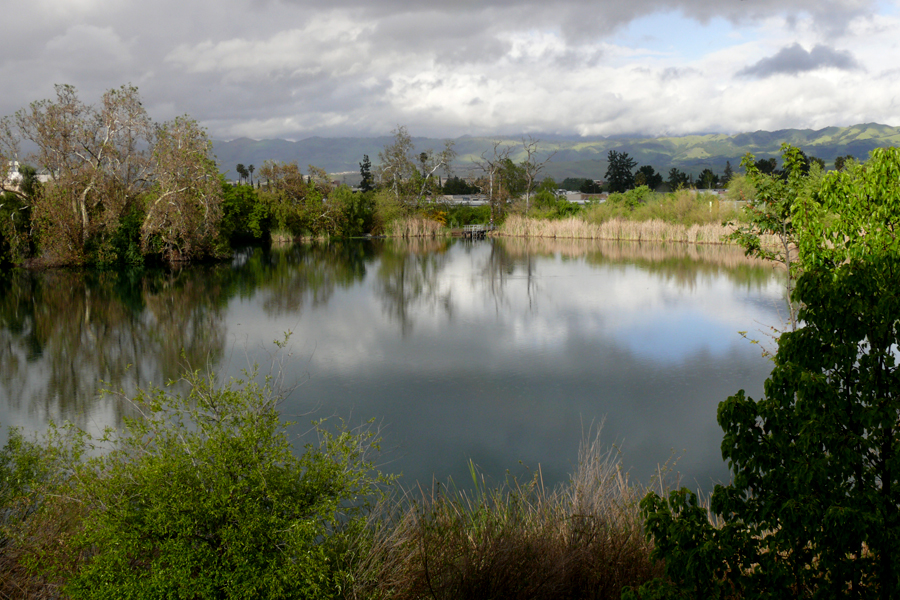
(619, 176)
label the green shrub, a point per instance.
(200, 495)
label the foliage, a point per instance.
(770, 213)
(619, 177)
(708, 179)
(692, 550)
(647, 175)
(15, 226)
(409, 175)
(388, 208)
(202, 496)
(245, 217)
(631, 198)
(353, 212)
(684, 207)
(812, 509)
(185, 209)
(460, 214)
(677, 179)
(573, 184)
(97, 159)
(727, 174)
(589, 186)
(454, 186)
(295, 202)
(367, 181)
(740, 189)
(842, 161)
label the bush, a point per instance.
(812, 509)
(202, 495)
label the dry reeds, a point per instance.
(416, 226)
(616, 229)
(583, 540)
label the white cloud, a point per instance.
(277, 68)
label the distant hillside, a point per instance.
(575, 156)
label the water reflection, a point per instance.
(409, 276)
(498, 351)
(64, 334)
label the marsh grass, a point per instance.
(416, 226)
(618, 229)
(517, 540)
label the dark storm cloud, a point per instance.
(795, 59)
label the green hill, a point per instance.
(574, 156)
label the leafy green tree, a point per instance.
(841, 161)
(589, 186)
(766, 166)
(677, 179)
(367, 182)
(454, 186)
(812, 508)
(770, 213)
(647, 175)
(572, 184)
(245, 217)
(708, 179)
(204, 496)
(619, 177)
(727, 174)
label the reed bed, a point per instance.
(582, 540)
(416, 226)
(617, 229)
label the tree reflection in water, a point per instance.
(409, 276)
(66, 334)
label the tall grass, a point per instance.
(582, 540)
(619, 229)
(415, 226)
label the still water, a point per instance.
(505, 352)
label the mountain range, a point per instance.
(572, 156)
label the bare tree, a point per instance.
(409, 175)
(492, 166)
(531, 165)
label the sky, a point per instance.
(294, 69)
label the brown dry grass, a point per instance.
(416, 226)
(615, 229)
(583, 540)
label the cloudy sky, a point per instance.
(298, 68)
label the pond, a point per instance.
(504, 352)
